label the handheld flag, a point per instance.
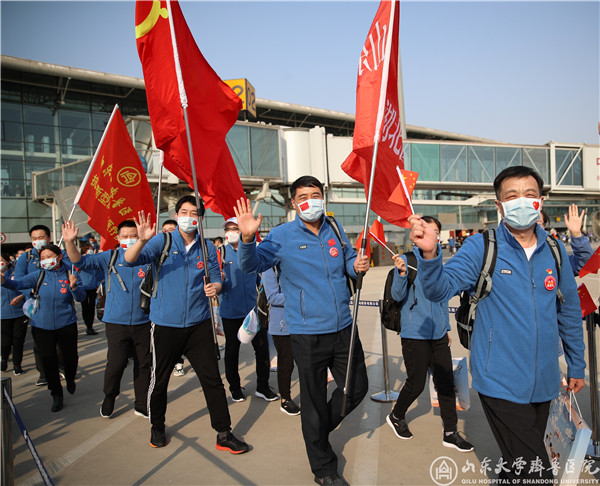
(585, 299)
(592, 265)
(402, 194)
(358, 243)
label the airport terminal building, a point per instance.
(53, 118)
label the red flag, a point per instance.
(117, 187)
(592, 265)
(585, 299)
(212, 106)
(358, 243)
(399, 196)
(371, 75)
(377, 232)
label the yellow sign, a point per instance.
(245, 91)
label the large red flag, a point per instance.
(212, 105)
(371, 75)
(592, 265)
(117, 186)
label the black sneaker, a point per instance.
(334, 480)
(455, 441)
(41, 381)
(399, 427)
(238, 395)
(71, 386)
(141, 412)
(57, 403)
(18, 370)
(158, 438)
(289, 407)
(267, 394)
(232, 444)
(108, 406)
(91, 332)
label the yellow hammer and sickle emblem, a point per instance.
(149, 22)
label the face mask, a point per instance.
(125, 243)
(187, 224)
(311, 209)
(233, 237)
(39, 244)
(90, 252)
(521, 213)
(49, 263)
(3, 266)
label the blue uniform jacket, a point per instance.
(312, 274)
(420, 318)
(275, 297)
(56, 309)
(514, 347)
(238, 295)
(90, 278)
(121, 306)
(10, 311)
(180, 300)
(582, 252)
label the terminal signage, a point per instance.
(245, 91)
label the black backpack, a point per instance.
(149, 282)
(465, 315)
(391, 309)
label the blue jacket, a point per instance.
(276, 299)
(238, 295)
(10, 311)
(56, 308)
(312, 274)
(90, 278)
(121, 306)
(420, 318)
(514, 347)
(180, 299)
(582, 252)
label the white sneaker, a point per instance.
(178, 371)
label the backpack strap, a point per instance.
(554, 247)
(111, 269)
(336, 229)
(161, 259)
(38, 284)
(411, 263)
(483, 287)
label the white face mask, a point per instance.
(3, 266)
(127, 243)
(233, 237)
(187, 224)
(39, 244)
(311, 209)
(49, 263)
(521, 213)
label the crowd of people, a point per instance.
(304, 266)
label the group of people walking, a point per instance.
(305, 265)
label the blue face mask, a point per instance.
(521, 213)
(311, 209)
(187, 224)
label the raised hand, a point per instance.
(400, 264)
(574, 220)
(69, 231)
(247, 223)
(145, 229)
(422, 235)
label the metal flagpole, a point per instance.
(89, 171)
(363, 245)
(184, 104)
(162, 161)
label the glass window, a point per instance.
(265, 152)
(507, 157)
(12, 136)
(453, 161)
(100, 120)
(407, 152)
(38, 210)
(426, 161)
(239, 145)
(12, 168)
(38, 115)
(481, 164)
(74, 119)
(537, 159)
(75, 141)
(11, 112)
(39, 140)
(569, 167)
(14, 225)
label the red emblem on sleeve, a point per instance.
(333, 251)
(550, 282)
(200, 265)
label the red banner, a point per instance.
(117, 187)
(212, 106)
(371, 75)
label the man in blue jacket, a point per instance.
(180, 317)
(425, 344)
(127, 326)
(515, 341)
(238, 297)
(313, 266)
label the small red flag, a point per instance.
(377, 232)
(117, 187)
(592, 265)
(399, 196)
(358, 243)
(585, 299)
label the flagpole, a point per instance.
(162, 161)
(89, 171)
(184, 104)
(363, 245)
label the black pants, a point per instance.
(47, 341)
(13, 338)
(197, 345)
(120, 339)
(313, 354)
(260, 344)
(88, 308)
(519, 431)
(418, 356)
(285, 365)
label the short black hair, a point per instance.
(431, 219)
(219, 239)
(192, 200)
(128, 223)
(171, 221)
(38, 227)
(53, 248)
(6, 256)
(545, 217)
(518, 171)
(305, 181)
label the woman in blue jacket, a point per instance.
(14, 322)
(55, 321)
